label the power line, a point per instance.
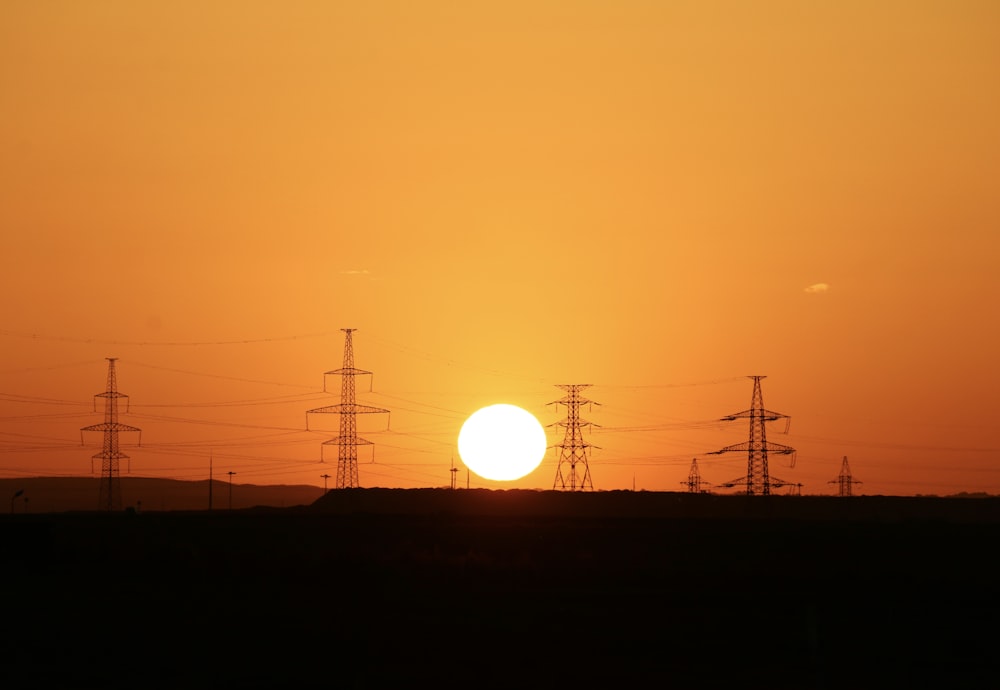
(160, 343)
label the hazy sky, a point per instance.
(656, 198)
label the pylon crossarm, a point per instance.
(118, 455)
(111, 426)
(737, 415)
(734, 448)
(347, 408)
(347, 441)
(765, 415)
(350, 371)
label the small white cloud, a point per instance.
(355, 272)
(818, 287)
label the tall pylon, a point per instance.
(573, 472)
(758, 480)
(348, 409)
(694, 483)
(110, 494)
(845, 481)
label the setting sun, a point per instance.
(502, 442)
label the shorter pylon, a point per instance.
(694, 483)
(844, 480)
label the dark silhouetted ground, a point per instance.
(145, 494)
(372, 589)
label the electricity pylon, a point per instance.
(573, 449)
(348, 409)
(845, 480)
(110, 494)
(694, 482)
(757, 481)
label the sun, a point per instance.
(501, 442)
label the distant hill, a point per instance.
(61, 494)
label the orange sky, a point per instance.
(502, 197)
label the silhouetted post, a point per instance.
(325, 477)
(210, 481)
(454, 472)
(230, 473)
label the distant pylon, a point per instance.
(348, 409)
(845, 480)
(694, 483)
(573, 472)
(454, 472)
(758, 480)
(110, 495)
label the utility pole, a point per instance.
(844, 480)
(109, 497)
(210, 482)
(573, 449)
(758, 480)
(17, 493)
(348, 409)
(325, 477)
(230, 473)
(454, 471)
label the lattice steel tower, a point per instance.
(348, 409)
(694, 483)
(573, 449)
(758, 481)
(845, 480)
(110, 494)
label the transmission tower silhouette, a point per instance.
(573, 450)
(694, 483)
(348, 409)
(845, 481)
(758, 480)
(110, 494)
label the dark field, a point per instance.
(475, 589)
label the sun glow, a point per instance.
(502, 442)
